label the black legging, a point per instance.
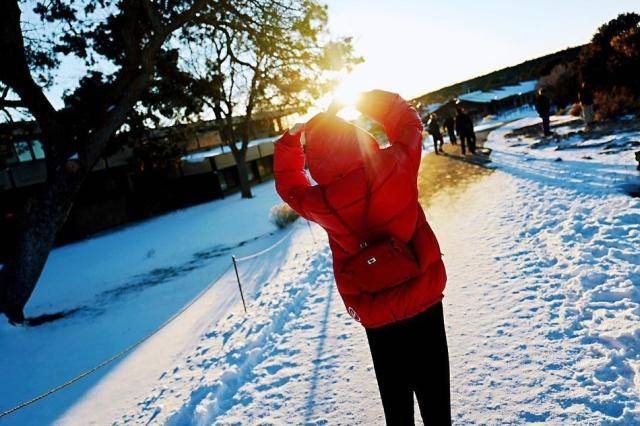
(410, 357)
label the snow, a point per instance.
(120, 286)
(572, 143)
(491, 122)
(542, 309)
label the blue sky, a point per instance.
(412, 47)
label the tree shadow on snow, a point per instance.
(141, 282)
(46, 318)
(322, 338)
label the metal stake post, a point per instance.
(235, 266)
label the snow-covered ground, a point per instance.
(493, 121)
(542, 310)
(605, 144)
(119, 287)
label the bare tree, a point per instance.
(271, 56)
(130, 34)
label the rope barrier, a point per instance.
(268, 249)
(156, 331)
(147, 337)
(116, 356)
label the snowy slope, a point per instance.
(121, 285)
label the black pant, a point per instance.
(546, 125)
(471, 142)
(452, 136)
(410, 357)
(468, 140)
(437, 137)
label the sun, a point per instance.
(347, 94)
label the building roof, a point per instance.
(206, 125)
(500, 93)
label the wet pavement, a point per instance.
(448, 174)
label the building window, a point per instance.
(38, 149)
(23, 151)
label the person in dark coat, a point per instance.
(585, 96)
(449, 124)
(433, 127)
(543, 106)
(464, 127)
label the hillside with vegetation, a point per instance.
(532, 69)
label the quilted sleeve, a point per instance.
(288, 168)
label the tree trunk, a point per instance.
(243, 173)
(42, 216)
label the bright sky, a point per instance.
(412, 47)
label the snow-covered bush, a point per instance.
(282, 215)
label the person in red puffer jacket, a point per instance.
(386, 259)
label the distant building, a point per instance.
(482, 103)
(116, 192)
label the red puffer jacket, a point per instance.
(374, 191)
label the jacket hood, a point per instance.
(335, 147)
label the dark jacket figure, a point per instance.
(464, 127)
(543, 106)
(450, 125)
(433, 127)
(585, 96)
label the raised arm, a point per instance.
(288, 169)
(401, 122)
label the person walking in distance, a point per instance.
(433, 127)
(386, 259)
(464, 127)
(543, 107)
(449, 124)
(585, 96)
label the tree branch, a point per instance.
(131, 83)
(14, 71)
(10, 103)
